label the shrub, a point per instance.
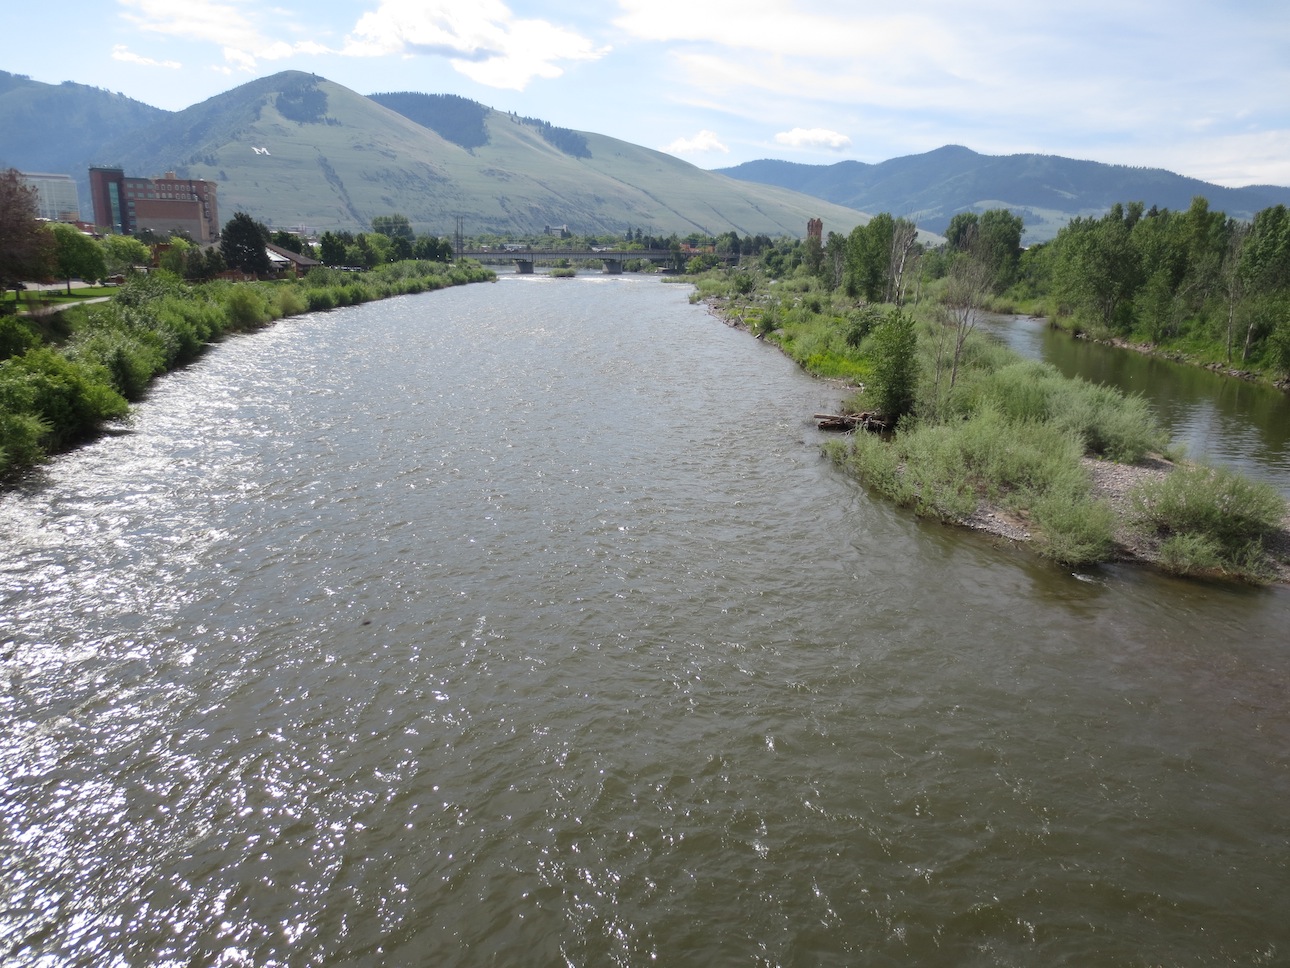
(20, 437)
(1211, 501)
(1074, 529)
(244, 308)
(289, 301)
(1110, 423)
(320, 300)
(70, 397)
(129, 358)
(16, 337)
(1191, 554)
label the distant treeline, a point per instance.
(456, 119)
(562, 139)
(1195, 282)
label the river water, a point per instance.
(1216, 418)
(523, 624)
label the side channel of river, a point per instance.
(1217, 418)
(523, 624)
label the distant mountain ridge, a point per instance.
(62, 128)
(297, 151)
(1045, 190)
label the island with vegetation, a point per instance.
(972, 434)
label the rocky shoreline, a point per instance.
(1112, 482)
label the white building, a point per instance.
(57, 197)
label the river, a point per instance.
(524, 624)
(1214, 417)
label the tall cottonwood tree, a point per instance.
(26, 248)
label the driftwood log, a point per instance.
(850, 421)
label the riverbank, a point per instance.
(64, 378)
(1173, 356)
(1114, 483)
(1118, 532)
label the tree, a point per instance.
(291, 242)
(962, 229)
(895, 365)
(868, 250)
(76, 255)
(242, 245)
(331, 248)
(969, 284)
(904, 255)
(1097, 269)
(26, 249)
(998, 244)
(393, 226)
(121, 253)
(175, 257)
(432, 249)
(835, 260)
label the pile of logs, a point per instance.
(851, 421)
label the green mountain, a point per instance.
(1045, 190)
(62, 128)
(296, 150)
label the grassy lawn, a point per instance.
(33, 299)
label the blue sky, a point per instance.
(1200, 88)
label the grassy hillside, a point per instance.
(63, 128)
(297, 150)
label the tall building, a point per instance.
(56, 196)
(166, 205)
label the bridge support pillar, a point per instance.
(613, 267)
(524, 267)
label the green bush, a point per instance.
(893, 350)
(16, 337)
(69, 397)
(20, 441)
(244, 308)
(320, 300)
(130, 358)
(1191, 554)
(1074, 529)
(1110, 423)
(1213, 502)
(289, 301)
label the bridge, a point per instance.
(526, 257)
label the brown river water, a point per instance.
(524, 624)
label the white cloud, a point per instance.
(813, 138)
(485, 41)
(221, 24)
(226, 25)
(701, 143)
(122, 53)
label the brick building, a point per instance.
(166, 205)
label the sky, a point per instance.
(1198, 88)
